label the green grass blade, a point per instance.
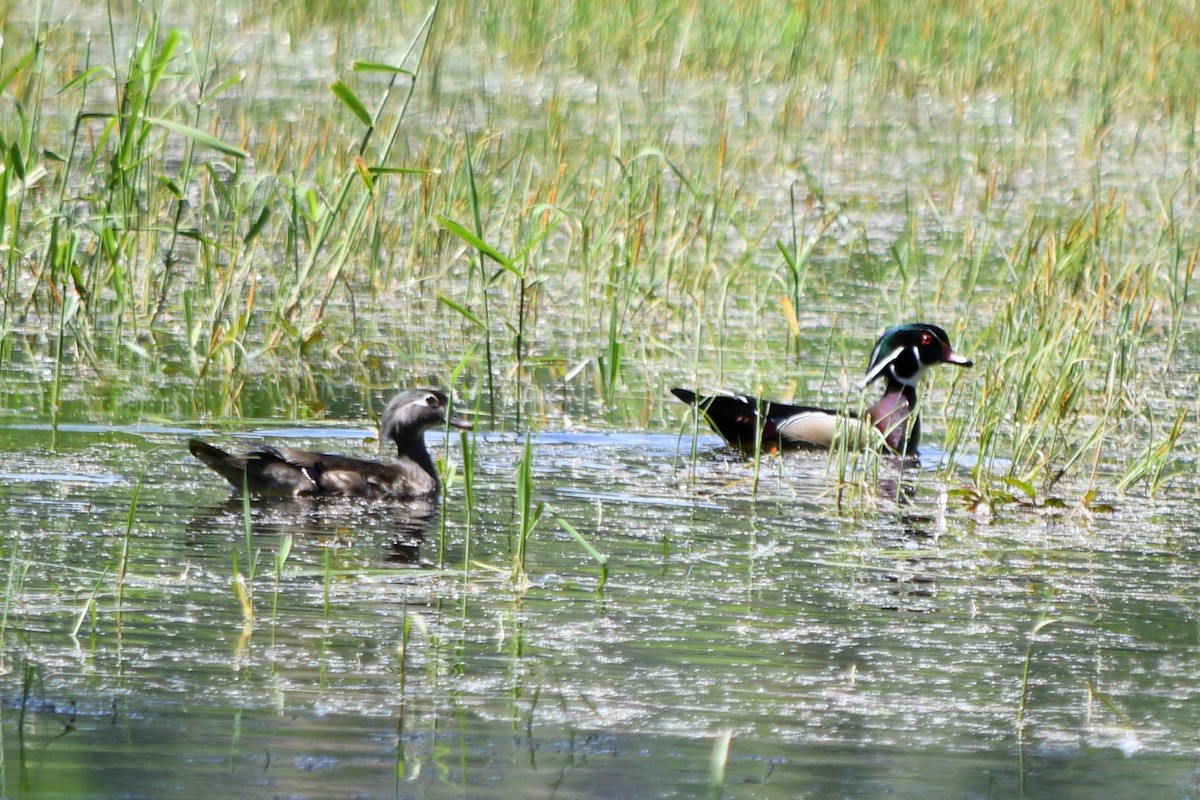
(350, 100)
(199, 137)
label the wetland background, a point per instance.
(248, 225)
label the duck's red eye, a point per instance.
(926, 338)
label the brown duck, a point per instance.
(286, 471)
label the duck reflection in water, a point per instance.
(398, 528)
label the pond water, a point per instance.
(914, 648)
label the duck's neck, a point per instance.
(413, 457)
(894, 414)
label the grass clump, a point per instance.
(1071, 351)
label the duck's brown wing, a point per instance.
(263, 471)
(333, 474)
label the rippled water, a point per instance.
(876, 652)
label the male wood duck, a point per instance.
(901, 356)
(286, 471)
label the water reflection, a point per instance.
(399, 527)
(741, 596)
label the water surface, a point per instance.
(882, 651)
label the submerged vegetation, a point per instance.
(693, 189)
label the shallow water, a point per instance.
(881, 651)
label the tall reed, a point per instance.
(13, 582)
(1052, 396)
(527, 513)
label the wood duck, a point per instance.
(286, 471)
(901, 356)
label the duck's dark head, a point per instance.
(903, 353)
(409, 414)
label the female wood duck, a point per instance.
(900, 356)
(285, 471)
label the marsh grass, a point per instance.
(158, 220)
(1027, 56)
(327, 584)
(89, 605)
(527, 513)
(578, 205)
(1058, 390)
(600, 559)
(718, 761)
(282, 552)
(13, 581)
(123, 558)
(243, 585)
(467, 449)
(1028, 669)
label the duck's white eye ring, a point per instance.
(431, 400)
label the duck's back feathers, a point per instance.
(263, 471)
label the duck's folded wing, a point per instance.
(330, 474)
(818, 428)
(813, 428)
(742, 420)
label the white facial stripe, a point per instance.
(882, 365)
(874, 352)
